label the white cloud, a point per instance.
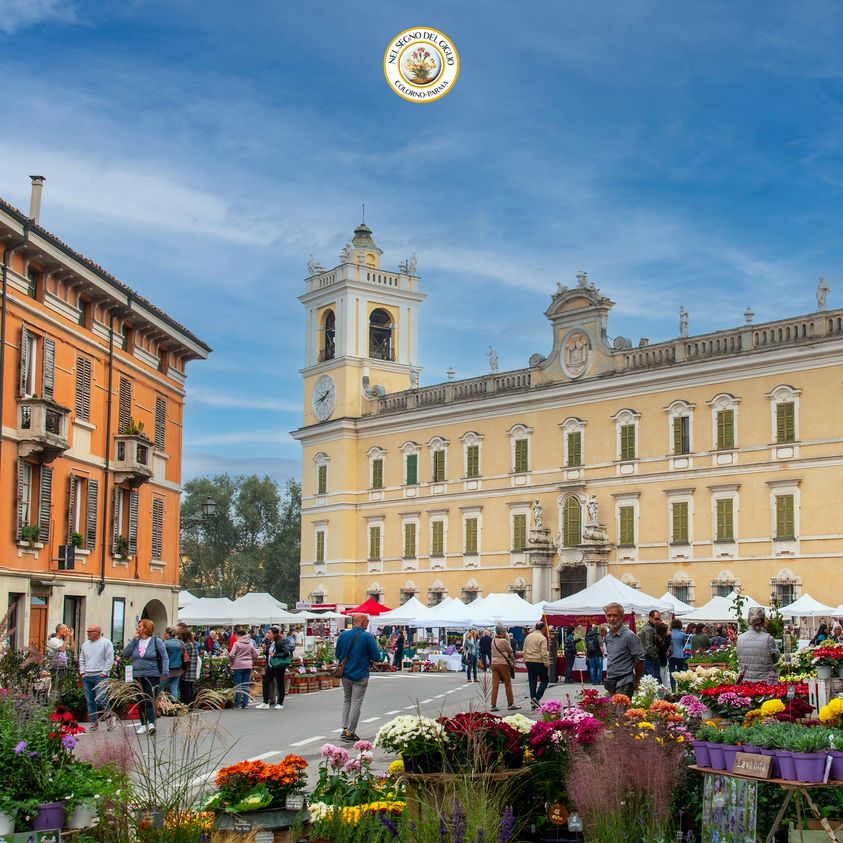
(241, 437)
(201, 396)
(18, 14)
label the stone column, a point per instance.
(540, 553)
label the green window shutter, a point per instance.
(627, 519)
(472, 461)
(471, 535)
(374, 542)
(726, 429)
(680, 521)
(521, 455)
(627, 442)
(725, 520)
(681, 435)
(574, 449)
(785, 423)
(320, 546)
(572, 534)
(377, 474)
(438, 466)
(438, 539)
(409, 541)
(412, 469)
(322, 480)
(785, 527)
(91, 514)
(519, 532)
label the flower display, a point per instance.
(250, 785)
(827, 655)
(648, 690)
(731, 703)
(832, 714)
(411, 735)
(550, 710)
(480, 740)
(756, 691)
(351, 814)
(697, 679)
(520, 723)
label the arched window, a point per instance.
(329, 330)
(572, 535)
(380, 335)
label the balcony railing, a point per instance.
(42, 428)
(133, 459)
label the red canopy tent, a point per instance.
(370, 607)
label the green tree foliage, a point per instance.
(251, 543)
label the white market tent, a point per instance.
(806, 607)
(838, 612)
(208, 610)
(260, 607)
(450, 614)
(409, 613)
(316, 616)
(679, 607)
(186, 598)
(719, 610)
(608, 589)
(508, 609)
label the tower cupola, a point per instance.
(362, 248)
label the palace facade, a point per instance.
(92, 394)
(693, 465)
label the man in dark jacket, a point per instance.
(594, 654)
(485, 650)
(570, 653)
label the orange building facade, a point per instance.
(92, 397)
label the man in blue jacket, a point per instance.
(358, 649)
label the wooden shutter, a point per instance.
(628, 442)
(409, 541)
(785, 427)
(677, 435)
(472, 458)
(133, 523)
(574, 448)
(48, 375)
(116, 520)
(71, 507)
(91, 507)
(725, 519)
(726, 429)
(377, 474)
(124, 416)
(322, 480)
(519, 532)
(521, 455)
(374, 542)
(438, 466)
(627, 519)
(83, 388)
(680, 521)
(24, 361)
(158, 528)
(438, 539)
(320, 546)
(572, 534)
(45, 502)
(19, 519)
(412, 469)
(785, 528)
(160, 422)
(471, 535)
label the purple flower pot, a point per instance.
(715, 754)
(836, 766)
(50, 816)
(701, 753)
(729, 753)
(787, 768)
(810, 766)
(775, 769)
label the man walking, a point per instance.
(570, 653)
(594, 654)
(356, 649)
(537, 659)
(624, 654)
(398, 658)
(96, 658)
(649, 642)
(485, 649)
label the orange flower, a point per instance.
(635, 714)
(619, 699)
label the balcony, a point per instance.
(42, 429)
(133, 459)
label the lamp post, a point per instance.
(209, 510)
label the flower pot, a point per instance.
(787, 769)
(83, 816)
(729, 753)
(7, 824)
(836, 773)
(823, 672)
(752, 750)
(775, 768)
(701, 753)
(840, 670)
(810, 766)
(50, 816)
(715, 754)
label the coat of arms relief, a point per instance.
(575, 353)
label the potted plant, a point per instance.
(780, 737)
(121, 547)
(826, 659)
(419, 740)
(701, 745)
(9, 807)
(761, 741)
(76, 539)
(714, 738)
(835, 743)
(29, 534)
(808, 745)
(733, 739)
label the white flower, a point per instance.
(520, 723)
(405, 728)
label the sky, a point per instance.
(681, 154)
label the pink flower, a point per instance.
(363, 746)
(353, 766)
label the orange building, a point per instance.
(92, 397)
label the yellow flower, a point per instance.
(528, 756)
(836, 705)
(396, 767)
(771, 708)
(827, 715)
(645, 724)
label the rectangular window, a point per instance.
(438, 466)
(320, 546)
(626, 515)
(627, 442)
(682, 435)
(32, 282)
(725, 520)
(157, 528)
(83, 388)
(30, 344)
(76, 500)
(377, 473)
(410, 541)
(521, 456)
(472, 461)
(322, 480)
(784, 593)
(785, 528)
(374, 543)
(471, 535)
(437, 538)
(160, 422)
(519, 532)
(725, 430)
(680, 522)
(124, 413)
(680, 592)
(785, 422)
(574, 449)
(118, 620)
(412, 470)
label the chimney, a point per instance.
(35, 200)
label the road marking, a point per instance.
(408, 707)
(337, 731)
(371, 719)
(439, 696)
(308, 740)
(424, 702)
(394, 711)
(265, 755)
(452, 691)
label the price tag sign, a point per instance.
(756, 766)
(241, 824)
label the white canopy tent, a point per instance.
(807, 607)
(508, 609)
(186, 598)
(453, 614)
(410, 613)
(208, 610)
(679, 607)
(719, 610)
(259, 607)
(838, 612)
(315, 616)
(608, 589)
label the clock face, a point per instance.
(324, 395)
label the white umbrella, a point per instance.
(608, 589)
(679, 608)
(315, 616)
(806, 607)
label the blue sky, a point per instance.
(679, 153)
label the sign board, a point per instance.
(241, 824)
(755, 766)
(302, 605)
(294, 802)
(265, 837)
(730, 807)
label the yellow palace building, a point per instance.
(693, 465)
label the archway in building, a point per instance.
(572, 578)
(155, 612)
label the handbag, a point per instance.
(284, 660)
(338, 670)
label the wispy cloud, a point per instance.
(241, 437)
(206, 397)
(20, 14)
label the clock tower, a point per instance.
(362, 331)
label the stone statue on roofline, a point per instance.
(822, 293)
(683, 321)
(493, 359)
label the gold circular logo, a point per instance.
(421, 64)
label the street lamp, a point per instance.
(209, 509)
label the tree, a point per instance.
(250, 543)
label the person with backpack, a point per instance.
(279, 655)
(242, 658)
(149, 665)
